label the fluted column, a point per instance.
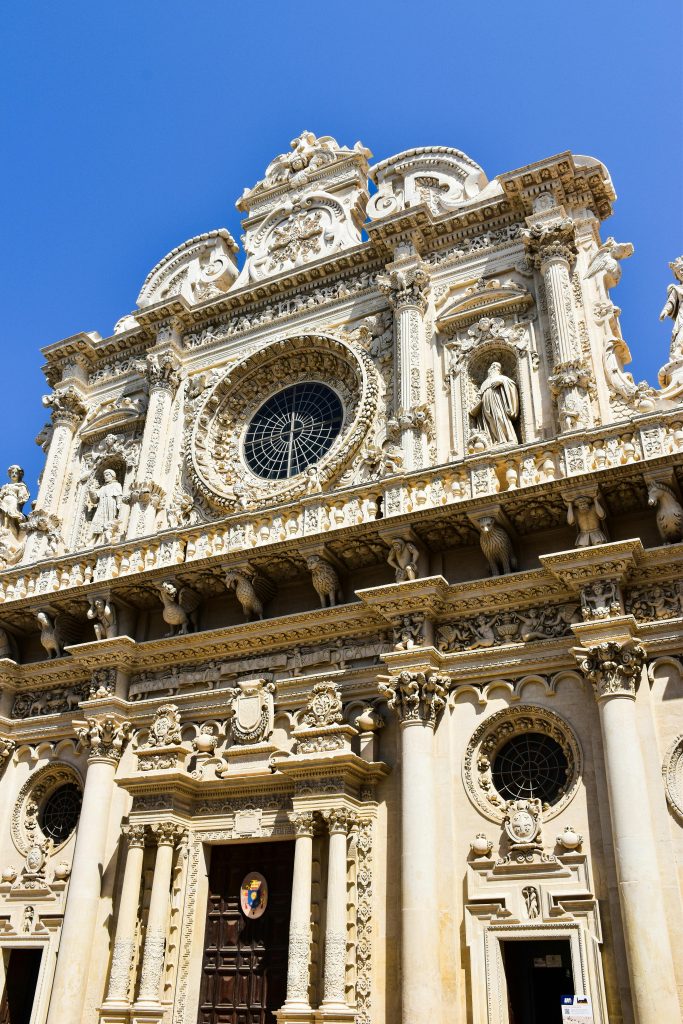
(298, 964)
(68, 409)
(127, 923)
(552, 250)
(167, 835)
(339, 821)
(105, 738)
(148, 492)
(615, 670)
(418, 699)
(406, 286)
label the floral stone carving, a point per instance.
(416, 696)
(614, 669)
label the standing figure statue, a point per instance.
(106, 500)
(673, 307)
(498, 406)
(13, 497)
(589, 515)
(102, 613)
(402, 558)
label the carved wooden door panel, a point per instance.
(244, 971)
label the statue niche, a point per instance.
(495, 400)
(104, 504)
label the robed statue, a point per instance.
(13, 497)
(673, 307)
(106, 501)
(498, 406)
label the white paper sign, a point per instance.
(577, 1010)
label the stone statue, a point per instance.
(402, 558)
(106, 500)
(325, 581)
(673, 307)
(669, 511)
(496, 546)
(13, 497)
(498, 406)
(588, 514)
(103, 616)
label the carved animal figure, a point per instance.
(497, 547)
(606, 261)
(180, 608)
(49, 634)
(325, 581)
(669, 511)
(252, 590)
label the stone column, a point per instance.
(147, 493)
(551, 248)
(167, 835)
(68, 409)
(615, 670)
(418, 699)
(106, 738)
(298, 965)
(406, 286)
(126, 925)
(334, 1005)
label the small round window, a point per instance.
(59, 814)
(293, 430)
(530, 766)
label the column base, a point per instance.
(115, 1013)
(335, 1013)
(147, 1013)
(295, 1015)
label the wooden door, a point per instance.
(244, 971)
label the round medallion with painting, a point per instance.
(254, 895)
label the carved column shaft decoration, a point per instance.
(126, 926)
(406, 287)
(416, 697)
(339, 822)
(167, 834)
(105, 738)
(299, 959)
(614, 669)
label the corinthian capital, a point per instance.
(303, 822)
(67, 407)
(614, 669)
(554, 240)
(416, 696)
(405, 286)
(167, 833)
(104, 737)
(340, 819)
(135, 834)
(7, 748)
(163, 372)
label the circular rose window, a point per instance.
(292, 430)
(530, 766)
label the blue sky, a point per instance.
(128, 127)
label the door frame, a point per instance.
(48, 957)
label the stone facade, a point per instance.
(342, 618)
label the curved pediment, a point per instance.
(199, 269)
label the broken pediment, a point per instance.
(438, 177)
(200, 269)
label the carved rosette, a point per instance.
(416, 697)
(614, 669)
(104, 737)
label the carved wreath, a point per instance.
(490, 736)
(215, 459)
(25, 829)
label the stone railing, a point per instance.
(477, 477)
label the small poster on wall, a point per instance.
(577, 1010)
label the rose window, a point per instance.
(60, 813)
(530, 766)
(292, 430)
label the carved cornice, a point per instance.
(613, 668)
(416, 697)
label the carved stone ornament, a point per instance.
(303, 822)
(406, 286)
(13, 497)
(507, 627)
(202, 268)
(601, 600)
(672, 772)
(522, 823)
(660, 601)
(167, 833)
(165, 728)
(25, 827)
(104, 738)
(340, 819)
(7, 748)
(324, 706)
(252, 702)
(669, 511)
(216, 461)
(67, 407)
(490, 736)
(416, 696)
(614, 669)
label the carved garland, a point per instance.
(490, 736)
(25, 828)
(215, 459)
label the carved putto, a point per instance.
(600, 600)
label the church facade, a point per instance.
(341, 671)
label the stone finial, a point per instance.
(104, 737)
(613, 668)
(416, 696)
